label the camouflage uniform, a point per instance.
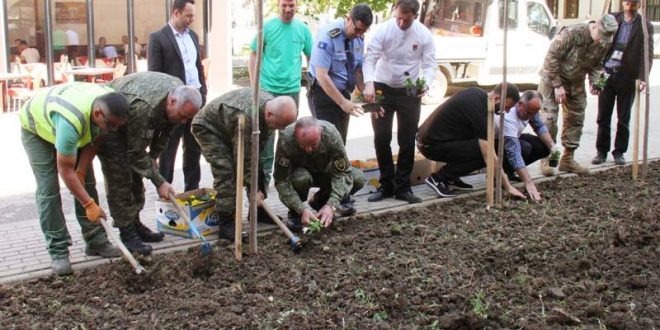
(216, 129)
(327, 168)
(123, 154)
(572, 54)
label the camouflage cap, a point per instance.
(607, 26)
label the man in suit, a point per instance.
(174, 50)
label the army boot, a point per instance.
(568, 164)
(546, 169)
(146, 235)
(132, 241)
(227, 229)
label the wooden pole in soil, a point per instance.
(240, 160)
(503, 109)
(490, 154)
(647, 67)
(254, 156)
(635, 160)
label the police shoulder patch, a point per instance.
(334, 32)
(284, 162)
(340, 164)
(322, 45)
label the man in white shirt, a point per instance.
(28, 54)
(401, 49)
(523, 149)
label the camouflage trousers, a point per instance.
(220, 156)
(302, 180)
(124, 187)
(572, 112)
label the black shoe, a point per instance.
(132, 241)
(346, 209)
(439, 186)
(599, 159)
(379, 195)
(294, 223)
(457, 183)
(146, 235)
(227, 231)
(618, 158)
(409, 197)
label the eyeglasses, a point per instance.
(357, 29)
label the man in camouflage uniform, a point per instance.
(311, 153)
(577, 50)
(158, 103)
(216, 130)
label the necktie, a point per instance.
(350, 60)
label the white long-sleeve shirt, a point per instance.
(392, 52)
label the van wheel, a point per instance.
(438, 90)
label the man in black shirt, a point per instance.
(455, 133)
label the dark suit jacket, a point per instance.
(164, 56)
(632, 63)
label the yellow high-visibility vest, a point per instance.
(73, 102)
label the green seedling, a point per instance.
(479, 306)
(414, 88)
(601, 81)
(314, 227)
(554, 158)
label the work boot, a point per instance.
(61, 266)
(227, 229)
(546, 169)
(105, 250)
(132, 241)
(568, 164)
(618, 158)
(146, 235)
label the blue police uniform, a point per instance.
(342, 57)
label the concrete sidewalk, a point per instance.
(23, 252)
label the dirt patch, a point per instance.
(586, 257)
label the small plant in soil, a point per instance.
(314, 227)
(479, 306)
(554, 158)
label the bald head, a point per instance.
(280, 112)
(529, 104)
(308, 133)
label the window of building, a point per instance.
(571, 9)
(653, 10)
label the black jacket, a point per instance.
(164, 56)
(632, 62)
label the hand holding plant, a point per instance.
(601, 81)
(416, 88)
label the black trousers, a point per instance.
(191, 156)
(462, 157)
(407, 110)
(325, 108)
(619, 89)
(531, 149)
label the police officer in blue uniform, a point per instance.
(336, 67)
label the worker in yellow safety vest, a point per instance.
(60, 126)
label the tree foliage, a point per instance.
(343, 7)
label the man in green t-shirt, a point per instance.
(284, 39)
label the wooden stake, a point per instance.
(647, 68)
(254, 152)
(490, 154)
(635, 156)
(240, 160)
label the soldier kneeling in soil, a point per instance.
(311, 153)
(216, 130)
(158, 103)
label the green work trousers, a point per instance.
(42, 157)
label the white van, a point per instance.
(469, 40)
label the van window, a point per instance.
(537, 19)
(455, 17)
(513, 14)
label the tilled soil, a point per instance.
(587, 257)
